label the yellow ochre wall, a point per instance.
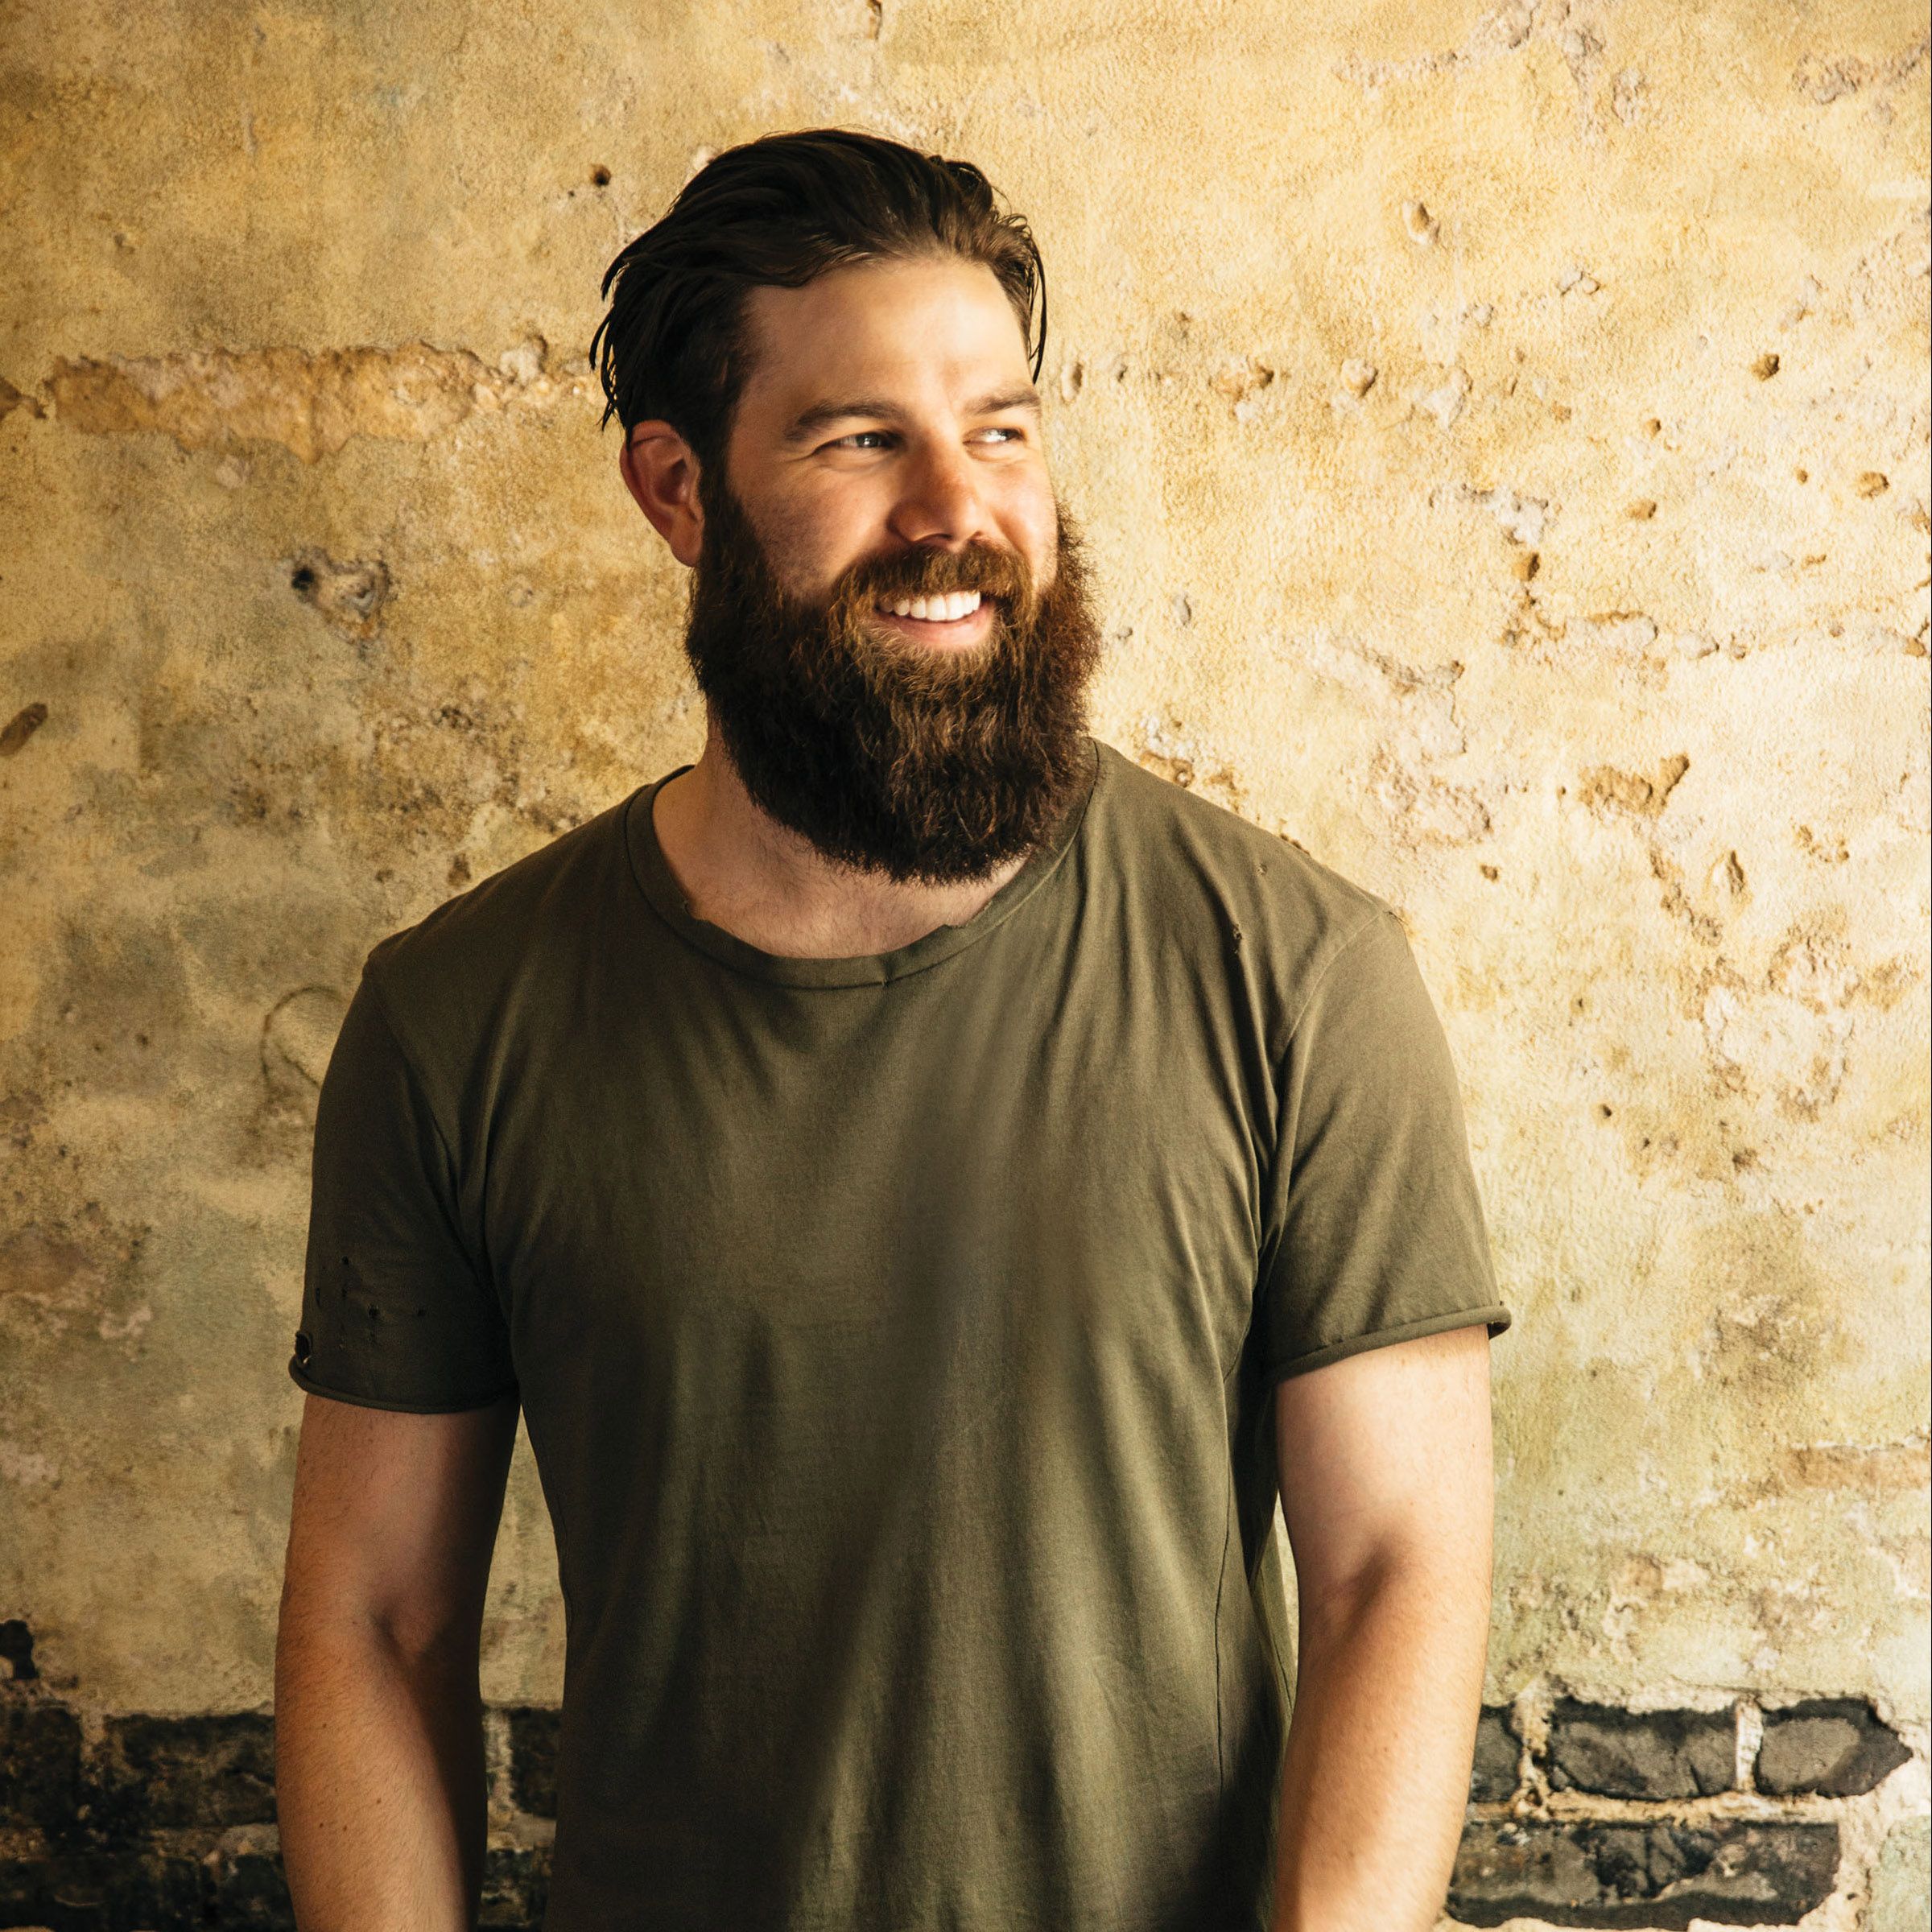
(1501, 433)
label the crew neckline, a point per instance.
(660, 886)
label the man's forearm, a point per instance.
(1388, 1684)
(379, 1784)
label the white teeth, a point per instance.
(949, 609)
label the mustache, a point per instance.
(1000, 575)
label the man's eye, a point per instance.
(856, 440)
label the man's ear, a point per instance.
(660, 470)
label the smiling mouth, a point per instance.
(947, 607)
(954, 619)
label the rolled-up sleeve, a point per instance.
(395, 1312)
(1375, 1231)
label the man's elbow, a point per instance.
(1428, 1578)
(319, 1620)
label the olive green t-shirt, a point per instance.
(897, 1338)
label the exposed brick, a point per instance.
(1658, 1875)
(39, 1764)
(158, 1772)
(102, 1892)
(1614, 1753)
(1492, 1777)
(130, 1890)
(532, 1759)
(1835, 1747)
(246, 1892)
(516, 1887)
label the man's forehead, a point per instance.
(884, 332)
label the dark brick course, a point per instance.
(1834, 1747)
(39, 1764)
(1492, 1777)
(246, 1892)
(103, 1892)
(1651, 1876)
(516, 1885)
(532, 1759)
(1655, 1754)
(172, 1891)
(157, 1773)
(130, 1828)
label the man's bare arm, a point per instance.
(1387, 1486)
(378, 1719)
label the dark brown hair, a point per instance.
(781, 211)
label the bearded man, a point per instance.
(929, 1185)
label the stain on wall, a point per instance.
(1502, 430)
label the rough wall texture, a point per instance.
(1503, 432)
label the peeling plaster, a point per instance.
(309, 401)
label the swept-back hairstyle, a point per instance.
(781, 211)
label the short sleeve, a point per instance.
(394, 1313)
(1375, 1231)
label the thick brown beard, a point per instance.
(922, 763)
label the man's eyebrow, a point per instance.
(1024, 397)
(804, 426)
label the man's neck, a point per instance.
(739, 869)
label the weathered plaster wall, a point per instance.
(1503, 433)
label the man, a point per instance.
(926, 1181)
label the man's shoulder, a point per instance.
(1207, 860)
(465, 959)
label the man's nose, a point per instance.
(940, 499)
